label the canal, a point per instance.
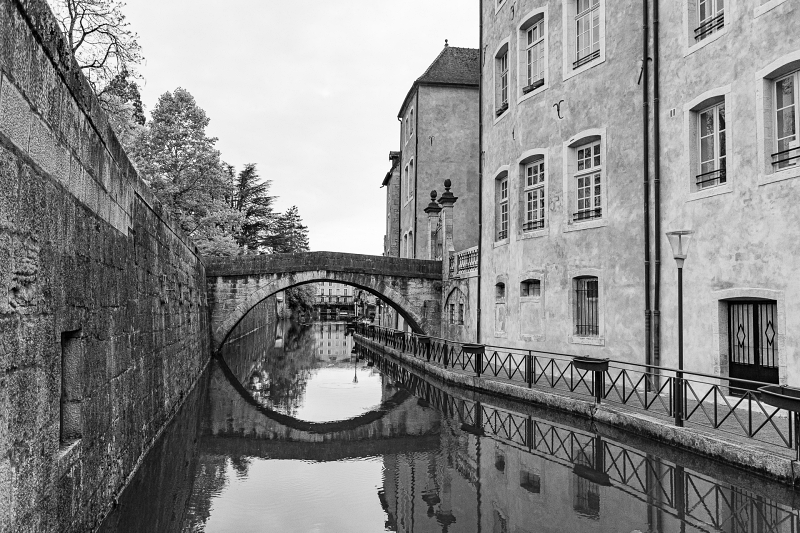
(299, 429)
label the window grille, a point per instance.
(712, 18)
(460, 314)
(587, 35)
(534, 195)
(589, 183)
(587, 317)
(712, 155)
(786, 122)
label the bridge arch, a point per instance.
(234, 412)
(392, 297)
(412, 287)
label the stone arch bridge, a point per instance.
(413, 287)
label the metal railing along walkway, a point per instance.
(695, 498)
(678, 398)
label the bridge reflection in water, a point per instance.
(425, 457)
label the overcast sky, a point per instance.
(309, 90)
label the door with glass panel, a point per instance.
(752, 342)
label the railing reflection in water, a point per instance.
(688, 496)
(709, 401)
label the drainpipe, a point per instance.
(646, 169)
(480, 168)
(657, 195)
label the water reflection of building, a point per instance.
(332, 342)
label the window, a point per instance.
(460, 314)
(500, 292)
(711, 18)
(410, 179)
(534, 56)
(588, 186)
(501, 79)
(405, 245)
(501, 186)
(411, 123)
(503, 68)
(584, 35)
(711, 151)
(586, 313)
(587, 32)
(410, 251)
(530, 288)
(452, 313)
(787, 149)
(533, 195)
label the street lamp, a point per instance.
(679, 241)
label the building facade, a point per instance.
(438, 141)
(333, 300)
(585, 169)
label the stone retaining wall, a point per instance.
(103, 317)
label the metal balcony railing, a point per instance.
(708, 27)
(786, 158)
(710, 179)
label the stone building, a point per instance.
(592, 153)
(334, 299)
(438, 141)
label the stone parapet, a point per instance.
(248, 265)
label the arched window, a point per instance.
(500, 292)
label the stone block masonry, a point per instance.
(103, 317)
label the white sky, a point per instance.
(309, 90)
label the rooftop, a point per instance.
(453, 66)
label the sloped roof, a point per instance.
(453, 66)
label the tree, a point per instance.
(100, 38)
(107, 52)
(122, 103)
(290, 235)
(183, 168)
(251, 198)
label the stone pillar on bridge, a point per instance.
(433, 211)
(447, 201)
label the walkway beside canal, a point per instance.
(771, 459)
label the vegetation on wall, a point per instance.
(224, 212)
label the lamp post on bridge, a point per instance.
(679, 242)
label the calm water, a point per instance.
(298, 430)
